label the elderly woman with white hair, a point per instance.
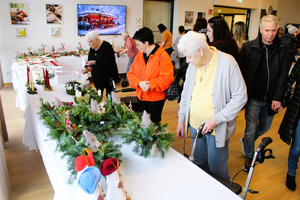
(130, 48)
(214, 93)
(101, 62)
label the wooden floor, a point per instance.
(29, 179)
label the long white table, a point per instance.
(173, 177)
(70, 63)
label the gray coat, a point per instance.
(229, 95)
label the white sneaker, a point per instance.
(242, 143)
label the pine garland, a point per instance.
(71, 142)
(145, 138)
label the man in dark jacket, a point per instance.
(264, 64)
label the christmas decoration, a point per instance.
(146, 135)
(115, 188)
(94, 145)
(70, 87)
(99, 127)
(88, 178)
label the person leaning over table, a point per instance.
(151, 73)
(101, 62)
(130, 48)
(214, 93)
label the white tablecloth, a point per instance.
(71, 63)
(173, 177)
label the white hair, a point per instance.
(92, 35)
(269, 18)
(125, 33)
(191, 41)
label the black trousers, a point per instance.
(169, 50)
(153, 108)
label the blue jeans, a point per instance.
(211, 157)
(294, 152)
(257, 123)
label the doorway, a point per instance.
(233, 15)
(156, 12)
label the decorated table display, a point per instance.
(79, 127)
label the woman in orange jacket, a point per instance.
(151, 74)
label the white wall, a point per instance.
(288, 12)
(39, 32)
(189, 5)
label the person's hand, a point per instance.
(90, 63)
(276, 106)
(210, 124)
(180, 130)
(144, 85)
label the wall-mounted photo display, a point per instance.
(55, 32)
(21, 32)
(189, 18)
(19, 13)
(54, 14)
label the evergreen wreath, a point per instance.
(145, 138)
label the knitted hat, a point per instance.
(81, 162)
(292, 29)
(108, 166)
(87, 180)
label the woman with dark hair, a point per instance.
(219, 36)
(151, 73)
(200, 25)
(167, 38)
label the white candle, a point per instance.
(99, 92)
(31, 85)
(79, 94)
(76, 93)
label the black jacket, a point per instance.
(290, 120)
(228, 45)
(290, 41)
(106, 66)
(278, 68)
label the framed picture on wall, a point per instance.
(54, 14)
(55, 32)
(201, 15)
(21, 32)
(19, 13)
(189, 18)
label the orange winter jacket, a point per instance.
(158, 71)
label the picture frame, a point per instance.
(201, 15)
(55, 31)
(19, 13)
(54, 13)
(21, 32)
(189, 18)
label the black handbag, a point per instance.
(174, 91)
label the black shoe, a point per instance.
(247, 164)
(290, 182)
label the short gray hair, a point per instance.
(92, 35)
(125, 33)
(191, 41)
(269, 18)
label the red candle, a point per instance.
(28, 69)
(47, 78)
